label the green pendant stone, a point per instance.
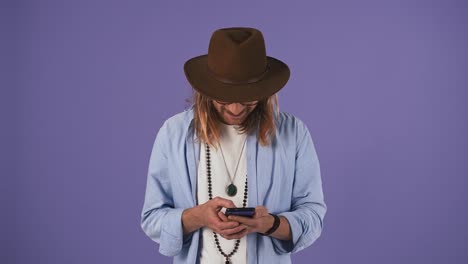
(231, 190)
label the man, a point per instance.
(233, 148)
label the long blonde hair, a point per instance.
(207, 120)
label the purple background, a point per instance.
(380, 84)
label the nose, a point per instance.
(235, 108)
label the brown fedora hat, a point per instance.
(236, 68)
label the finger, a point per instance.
(243, 220)
(221, 202)
(260, 211)
(217, 225)
(223, 216)
(226, 225)
(235, 230)
(238, 235)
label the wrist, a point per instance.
(191, 219)
(269, 225)
(273, 225)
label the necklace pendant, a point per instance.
(231, 190)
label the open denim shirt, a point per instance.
(283, 176)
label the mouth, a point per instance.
(236, 116)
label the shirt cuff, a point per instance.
(297, 242)
(171, 233)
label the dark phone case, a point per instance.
(246, 212)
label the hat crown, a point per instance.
(237, 54)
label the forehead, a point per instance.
(226, 102)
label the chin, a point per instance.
(234, 122)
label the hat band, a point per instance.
(250, 80)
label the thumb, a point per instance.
(221, 202)
(261, 211)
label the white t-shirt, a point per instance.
(231, 142)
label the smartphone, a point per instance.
(246, 212)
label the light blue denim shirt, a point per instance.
(283, 176)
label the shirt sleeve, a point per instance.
(307, 205)
(159, 219)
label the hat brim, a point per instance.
(201, 80)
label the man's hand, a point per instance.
(261, 223)
(209, 215)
